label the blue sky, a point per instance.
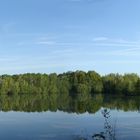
(62, 35)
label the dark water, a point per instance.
(43, 118)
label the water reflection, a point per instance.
(41, 103)
(64, 117)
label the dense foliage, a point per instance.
(77, 84)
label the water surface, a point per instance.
(114, 118)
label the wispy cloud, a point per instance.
(45, 41)
(118, 45)
(100, 38)
(36, 41)
(127, 52)
(114, 40)
(96, 41)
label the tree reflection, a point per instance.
(41, 103)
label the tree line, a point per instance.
(78, 84)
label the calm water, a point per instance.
(113, 118)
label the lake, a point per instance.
(43, 118)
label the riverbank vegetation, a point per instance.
(77, 84)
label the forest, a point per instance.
(78, 84)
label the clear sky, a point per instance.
(64, 35)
